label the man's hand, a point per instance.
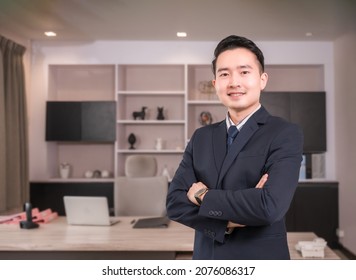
(193, 189)
(262, 181)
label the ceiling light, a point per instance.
(309, 34)
(50, 34)
(181, 34)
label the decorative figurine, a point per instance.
(206, 87)
(140, 114)
(205, 118)
(88, 174)
(160, 115)
(96, 174)
(132, 141)
(105, 174)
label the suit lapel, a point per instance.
(241, 140)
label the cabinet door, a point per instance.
(315, 208)
(277, 104)
(308, 110)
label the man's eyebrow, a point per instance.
(222, 69)
(245, 66)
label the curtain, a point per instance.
(14, 182)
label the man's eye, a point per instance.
(223, 74)
(245, 72)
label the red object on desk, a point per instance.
(44, 216)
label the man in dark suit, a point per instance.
(237, 177)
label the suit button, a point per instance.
(211, 213)
(219, 213)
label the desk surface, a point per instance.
(58, 236)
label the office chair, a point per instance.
(143, 196)
(140, 166)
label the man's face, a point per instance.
(239, 81)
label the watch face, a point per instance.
(198, 194)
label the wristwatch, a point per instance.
(199, 194)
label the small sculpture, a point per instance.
(105, 173)
(132, 141)
(140, 114)
(160, 115)
(88, 174)
(96, 174)
(205, 118)
(206, 87)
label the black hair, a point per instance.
(233, 42)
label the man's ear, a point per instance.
(263, 82)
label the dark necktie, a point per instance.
(231, 134)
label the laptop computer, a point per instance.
(88, 210)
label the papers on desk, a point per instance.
(312, 249)
(37, 217)
(156, 222)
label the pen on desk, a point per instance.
(133, 221)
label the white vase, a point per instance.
(64, 172)
(159, 144)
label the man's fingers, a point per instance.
(262, 181)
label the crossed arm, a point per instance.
(199, 185)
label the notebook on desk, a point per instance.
(88, 210)
(155, 222)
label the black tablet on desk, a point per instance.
(156, 222)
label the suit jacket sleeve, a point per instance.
(180, 209)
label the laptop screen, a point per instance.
(87, 210)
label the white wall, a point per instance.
(345, 114)
(160, 52)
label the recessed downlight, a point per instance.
(50, 34)
(181, 34)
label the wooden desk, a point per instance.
(57, 240)
(294, 237)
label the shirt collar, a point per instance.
(239, 125)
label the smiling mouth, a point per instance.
(235, 94)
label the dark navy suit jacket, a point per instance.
(265, 144)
